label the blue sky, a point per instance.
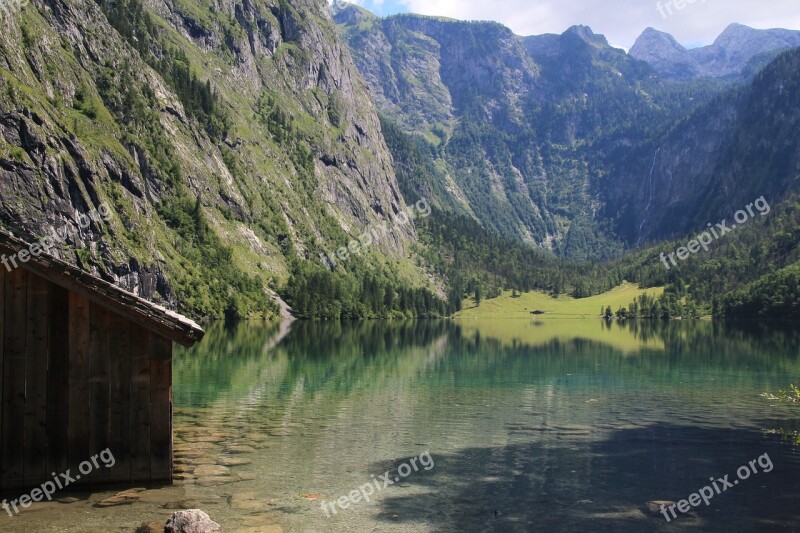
(385, 8)
(695, 23)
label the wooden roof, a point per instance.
(150, 316)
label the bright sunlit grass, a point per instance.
(505, 306)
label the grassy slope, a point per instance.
(563, 307)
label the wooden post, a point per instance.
(78, 416)
(37, 354)
(140, 404)
(120, 440)
(13, 431)
(161, 408)
(99, 390)
(58, 372)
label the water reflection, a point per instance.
(564, 425)
(348, 355)
(569, 425)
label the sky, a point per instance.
(696, 23)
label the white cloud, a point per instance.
(699, 22)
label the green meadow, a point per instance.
(525, 305)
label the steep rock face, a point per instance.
(49, 175)
(89, 116)
(478, 60)
(423, 71)
(409, 86)
(743, 145)
(519, 126)
(292, 51)
(666, 55)
(441, 78)
(738, 45)
(738, 50)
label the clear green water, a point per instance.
(560, 426)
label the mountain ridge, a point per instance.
(514, 120)
(730, 55)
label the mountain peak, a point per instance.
(666, 55)
(586, 34)
(735, 26)
(731, 54)
(352, 13)
(735, 32)
(651, 35)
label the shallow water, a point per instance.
(562, 425)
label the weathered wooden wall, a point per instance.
(75, 379)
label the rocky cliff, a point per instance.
(521, 128)
(743, 145)
(739, 50)
(226, 137)
(463, 87)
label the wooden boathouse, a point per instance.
(84, 367)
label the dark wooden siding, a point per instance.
(76, 379)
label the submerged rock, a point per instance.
(151, 527)
(121, 498)
(238, 449)
(211, 471)
(653, 508)
(214, 481)
(191, 521)
(233, 461)
(182, 504)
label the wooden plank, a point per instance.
(78, 405)
(99, 389)
(58, 381)
(37, 349)
(140, 404)
(161, 409)
(120, 391)
(12, 472)
(152, 317)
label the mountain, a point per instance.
(738, 50)
(230, 141)
(517, 126)
(463, 87)
(666, 55)
(742, 145)
(240, 147)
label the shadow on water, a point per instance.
(603, 486)
(573, 429)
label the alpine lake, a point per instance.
(560, 425)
